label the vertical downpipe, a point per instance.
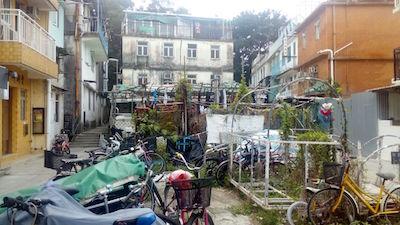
(267, 174)
(48, 117)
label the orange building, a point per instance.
(368, 30)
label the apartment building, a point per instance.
(276, 66)
(27, 60)
(341, 41)
(86, 43)
(159, 49)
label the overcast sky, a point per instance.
(230, 8)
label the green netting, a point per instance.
(114, 171)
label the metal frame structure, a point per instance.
(249, 189)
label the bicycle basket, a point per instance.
(53, 161)
(193, 194)
(333, 173)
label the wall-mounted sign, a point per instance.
(38, 120)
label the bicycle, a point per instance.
(149, 157)
(336, 203)
(193, 196)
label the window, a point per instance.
(215, 77)
(142, 79)
(289, 52)
(214, 51)
(56, 108)
(192, 78)
(317, 30)
(192, 51)
(167, 78)
(142, 48)
(54, 18)
(282, 59)
(168, 50)
(22, 114)
(294, 48)
(303, 35)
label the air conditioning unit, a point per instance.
(32, 11)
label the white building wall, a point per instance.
(202, 66)
(131, 76)
(92, 108)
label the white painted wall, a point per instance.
(385, 127)
(90, 87)
(130, 76)
(202, 66)
(156, 46)
(55, 127)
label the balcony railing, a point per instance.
(157, 29)
(93, 25)
(17, 26)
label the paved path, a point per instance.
(29, 172)
(221, 201)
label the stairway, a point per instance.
(88, 139)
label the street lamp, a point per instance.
(332, 58)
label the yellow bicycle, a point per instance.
(337, 205)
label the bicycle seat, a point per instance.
(386, 176)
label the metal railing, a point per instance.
(15, 25)
(158, 29)
(94, 25)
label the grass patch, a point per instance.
(262, 216)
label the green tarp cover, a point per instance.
(115, 171)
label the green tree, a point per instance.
(164, 6)
(242, 91)
(253, 33)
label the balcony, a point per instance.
(44, 5)
(94, 35)
(192, 31)
(24, 43)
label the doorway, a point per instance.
(6, 125)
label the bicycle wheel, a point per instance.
(319, 208)
(392, 203)
(199, 219)
(297, 213)
(155, 160)
(209, 168)
(144, 199)
(222, 173)
(167, 220)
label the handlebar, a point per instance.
(9, 202)
(186, 163)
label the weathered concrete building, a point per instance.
(367, 31)
(159, 48)
(87, 46)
